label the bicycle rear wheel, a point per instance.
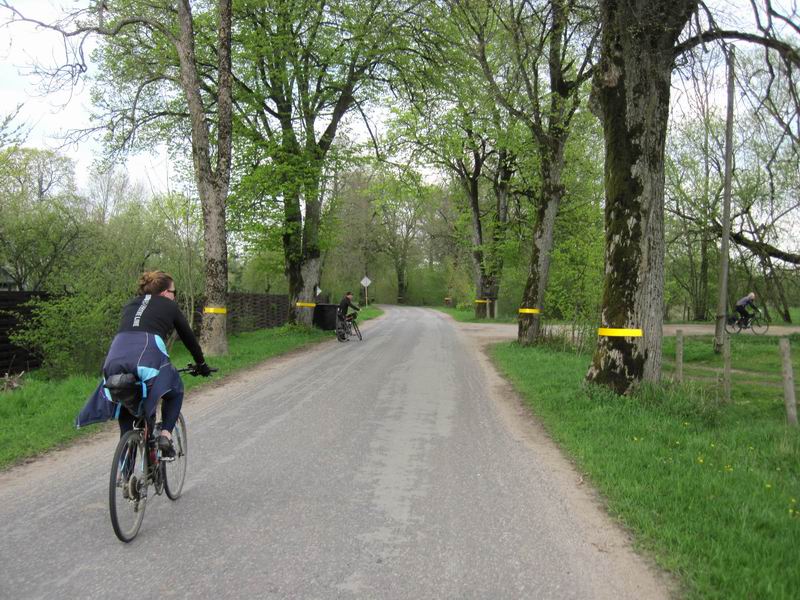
(759, 325)
(174, 470)
(341, 332)
(732, 325)
(357, 331)
(127, 491)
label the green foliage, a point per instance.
(71, 332)
(42, 219)
(73, 328)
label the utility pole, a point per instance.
(722, 301)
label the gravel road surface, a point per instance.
(397, 467)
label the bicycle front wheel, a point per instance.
(174, 470)
(127, 491)
(759, 325)
(357, 331)
(732, 325)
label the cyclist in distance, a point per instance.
(741, 308)
(345, 304)
(139, 348)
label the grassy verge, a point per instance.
(468, 315)
(710, 491)
(40, 415)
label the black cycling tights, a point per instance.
(171, 403)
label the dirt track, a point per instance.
(401, 467)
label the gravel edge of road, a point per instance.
(606, 533)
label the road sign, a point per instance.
(366, 281)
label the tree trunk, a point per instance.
(212, 184)
(402, 283)
(701, 298)
(632, 90)
(782, 304)
(551, 142)
(293, 257)
(529, 327)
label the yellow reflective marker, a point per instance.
(306, 304)
(614, 332)
(215, 310)
(530, 311)
(481, 301)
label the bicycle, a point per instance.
(758, 324)
(138, 464)
(347, 327)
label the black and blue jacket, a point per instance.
(139, 348)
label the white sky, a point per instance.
(49, 117)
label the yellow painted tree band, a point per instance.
(613, 332)
(529, 311)
(306, 304)
(215, 310)
(481, 301)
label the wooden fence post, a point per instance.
(788, 383)
(679, 356)
(726, 370)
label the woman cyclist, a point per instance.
(139, 348)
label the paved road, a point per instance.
(397, 467)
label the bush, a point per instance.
(72, 333)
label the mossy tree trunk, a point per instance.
(631, 92)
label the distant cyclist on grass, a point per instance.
(139, 348)
(741, 308)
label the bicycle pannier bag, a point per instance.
(126, 389)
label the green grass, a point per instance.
(468, 315)
(41, 414)
(711, 492)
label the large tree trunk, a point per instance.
(311, 256)
(303, 260)
(212, 184)
(632, 89)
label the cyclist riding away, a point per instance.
(139, 349)
(741, 308)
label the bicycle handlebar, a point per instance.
(192, 370)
